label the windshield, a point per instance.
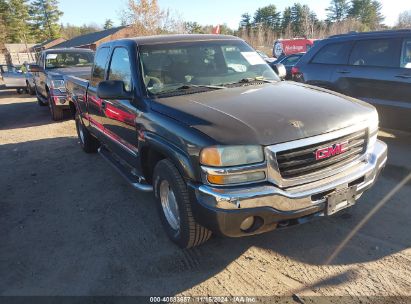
(170, 67)
(69, 59)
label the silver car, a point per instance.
(13, 78)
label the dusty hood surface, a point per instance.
(264, 114)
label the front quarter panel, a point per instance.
(176, 140)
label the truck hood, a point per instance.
(264, 114)
(72, 71)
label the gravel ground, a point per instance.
(69, 225)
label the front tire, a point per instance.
(39, 100)
(57, 113)
(88, 143)
(174, 207)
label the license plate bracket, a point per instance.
(340, 199)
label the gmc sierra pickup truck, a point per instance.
(48, 74)
(224, 144)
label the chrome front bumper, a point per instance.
(300, 197)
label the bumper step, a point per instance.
(133, 180)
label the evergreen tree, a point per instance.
(245, 20)
(45, 19)
(17, 22)
(4, 9)
(368, 12)
(286, 20)
(268, 17)
(338, 10)
(108, 24)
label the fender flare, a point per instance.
(180, 159)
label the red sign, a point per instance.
(292, 46)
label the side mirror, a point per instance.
(112, 89)
(34, 68)
(279, 68)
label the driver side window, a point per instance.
(120, 68)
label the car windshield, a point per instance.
(69, 59)
(201, 64)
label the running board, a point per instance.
(128, 176)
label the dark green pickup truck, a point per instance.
(226, 146)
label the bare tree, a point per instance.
(404, 20)
(147, 18)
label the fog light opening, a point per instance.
(247, 223)
(251, 224)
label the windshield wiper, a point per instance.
(249, 80)
(185, 89)
(191, 86)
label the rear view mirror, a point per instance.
(280, 70)
(34, 68)
(112, 89)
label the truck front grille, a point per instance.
(302, 161)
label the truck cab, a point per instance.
(48, 74)
(225, 145)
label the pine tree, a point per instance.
(368, 12)
(108, 24)
(286, 20)
(338, 10)
(45, 19)
(17, 22)
(268, 17)
(4, 9)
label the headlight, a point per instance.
(58, 85)
(228, 156)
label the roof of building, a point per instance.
(88, 38)
(18, 47)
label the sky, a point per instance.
(213, 12)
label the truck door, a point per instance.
(119, 116)
(93, 102)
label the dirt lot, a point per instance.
(70, 225)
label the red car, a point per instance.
(283, 47)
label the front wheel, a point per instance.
(39, 100)
(88, 143)
(56, 112)
(174, 207)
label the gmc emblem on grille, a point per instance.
(330, 151)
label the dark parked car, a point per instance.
(289, 62)
(226, 147)
(372, 66)
(48, 74)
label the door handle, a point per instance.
(403, 76)
(343, 71)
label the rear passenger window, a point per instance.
(99, 65)
(120, 67)
(336, 53)
(378, 53)
(406, 54)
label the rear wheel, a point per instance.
(174, 207)
(56, 112)
(88, 143)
